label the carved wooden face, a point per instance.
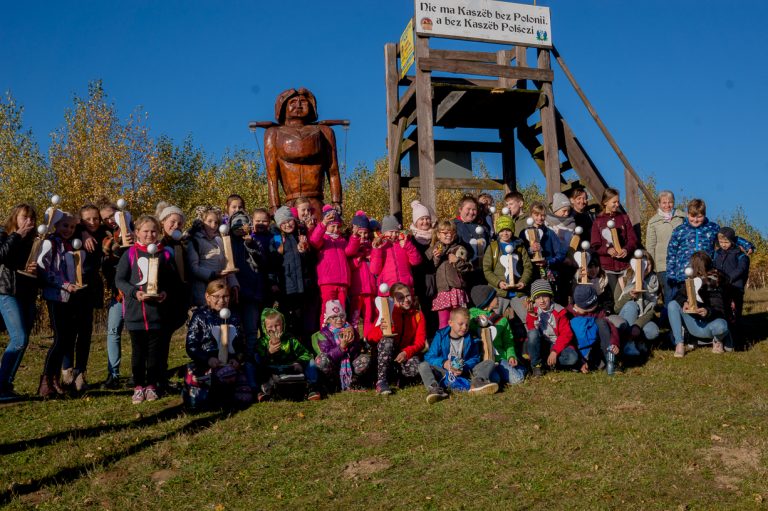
(298, 107)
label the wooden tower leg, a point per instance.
(509, 171)
(549, 132)
(632, 200)
(426, 145)
(394, 134)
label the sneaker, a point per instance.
(263, 396)
(150, 393)
(67, 377)
(314, 396)
(679, 350)
(138, 395)
(630, 349)
(382, 388)
(690, 347)
(483, 387)
(435, 394)
(610, 363)
(112, 382)
(717, 347)
(536, 372)
(727, 348)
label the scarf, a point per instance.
(423, 237)
(664, 215)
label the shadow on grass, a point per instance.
(754, 328)
(165, 414)
(69, 474)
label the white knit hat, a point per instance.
(560, 201)
(333, 308)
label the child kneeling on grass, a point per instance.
(278, 355)
(399, 356)
(596, 337)
(340, 351)
(210, 380)
(549, 332)
(508, 368)
(454, 352)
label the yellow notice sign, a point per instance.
(406, 49)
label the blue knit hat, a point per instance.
(361, 220)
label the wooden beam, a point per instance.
(502, 59)
(403, 103)
(475, 68)
(394, 132)
(549, 132)
(632, 200)
(522, 60)
(456, 145)
(473, 56)
(509, 171)
(455, 183)
(425, 125)
(582, 164)
(447, 103)
(628, 166)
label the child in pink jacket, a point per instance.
(393, 255)
(362, 283)
(332, 252)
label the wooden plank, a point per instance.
(509, 171)
(472, 56)
(632, 200)
(502, 59)
(447, 103)
(456, 145)
(455, 183)
(403, 103)
(628, 166)
(549, 132)
(425, 126)
(475, 68)
(393, 139)
(521, 56)
(582, 164)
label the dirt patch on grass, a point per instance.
(737, 459)
(162, 476)
(36, 498)
(365, 468)
(373, 438)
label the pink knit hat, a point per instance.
(420, 210)
(333, 308)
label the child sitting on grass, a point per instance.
(276, 353)
(595, 335)
(549, 332)
(340, 358)
(508, 369)
(454, 351)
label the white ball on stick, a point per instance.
(223, 229)
(529, 221)
(77, 244)
(479, 230)
(383, 288)
(492, 209)
(585, 245)
(121, 203)
(638, 254)
(508, 249)
(611, 224)
(152, 249)
(55, 200)
(505, 210)
(225, 314)
(689, 272)
(578, 230)
(42, 229)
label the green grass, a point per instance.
(673, 434)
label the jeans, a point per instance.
(698, 327)
(630, 312)
(539, 346)
(430, 373)
(508, 374)
(668, 290)
(114, 333)
(18, 317)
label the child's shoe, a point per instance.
(138, 395)
(630, 349)
(536, 372)
(314, 396)
(67, 377)
(679, 350)
(481, 387)
(717, 347)
(45, 390)
(382, 388)
(610, 363)
(80, 384)
(150, 393)
(435, 394)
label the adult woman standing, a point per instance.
(657, 236)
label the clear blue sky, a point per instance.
(682, 85)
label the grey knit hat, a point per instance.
(560, 201)
(282, 215)
(389, 223)
(541, 287)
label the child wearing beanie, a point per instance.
(393, 255)
(549, 332)
(424, 286)
(340, 352)
(734, 263)
(596, 337)
(362, 283)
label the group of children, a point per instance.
(295, 305)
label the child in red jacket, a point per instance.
(393, 255)
(332, 252)
(549, 333)
(400, 354)
(362, 283)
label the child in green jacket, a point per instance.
(508, 369)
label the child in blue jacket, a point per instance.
(454, 350)
(731, 260)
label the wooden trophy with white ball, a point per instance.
(42, 232)
(510, 265)
(576, 239)
(385, 305)
(533, 237)
(77, 261)
(153, 269)
(637, 267)
(690, 290)
(584, 263)
(614, 235)
(479, 230)
(178, 255)
(494, 214)
(226, 241)
(123, 220)
(224, 314)
(486, 337)
(50, 213)
(505, 211)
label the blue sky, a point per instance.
(682, 85)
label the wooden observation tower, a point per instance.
(507, 92)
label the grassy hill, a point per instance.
(673, 434)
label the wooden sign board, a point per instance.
(484, 20)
